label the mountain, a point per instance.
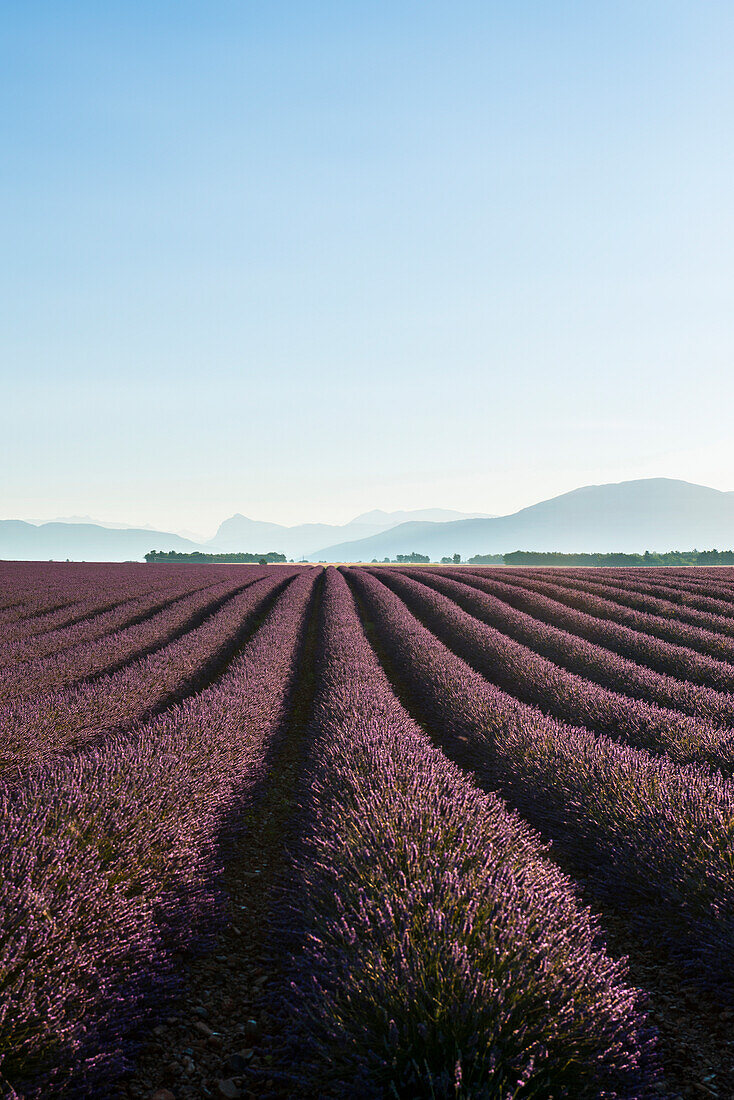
(430, 515)
(631, 516)
(653, 514)
(82, 539)
(241, 533)
(21, 541)
(103, 523)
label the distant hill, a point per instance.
(239, 532)
(80, 539)
(657, 514)
(429, 515)
(104, 523)
(632, 516)
(21, 541)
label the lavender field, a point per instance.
(372, 832)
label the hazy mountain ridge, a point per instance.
(657, 514)
(429, 515)
(239, 532)
(113, 525)
(20, 541)
(106, 541)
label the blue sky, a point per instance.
(301, 260)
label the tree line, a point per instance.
(540, 557)
(516, 557)
(199, 558)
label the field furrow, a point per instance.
(35, 729)
(134, 829)
(636, 598)
(537, 681)
(597, 600)
(419, 965)
(642, 831)
(523, 615)
(281, 831)
(114, 651)
(586, 616)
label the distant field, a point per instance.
(373, 831)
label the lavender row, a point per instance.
(717, 599)
(38, 728)
(647, 835)
(522, 614)
(627, 608)
(589, 617)
(112, 651)
(39, 592)
(109, 864)
(648, 587)
(87, 595)
(91, 622)
(654, 605)
(38, 583)
(442, 954)
(524, 674)
(710, 590)
(91, 601)
(66, 608)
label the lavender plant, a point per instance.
(92, 622)
(637, 597)
(644, 832)
(443, 954)
(116, 648)
(37, 728)
(594, 620)
(521, 613)
(109, 864)
(537, 680)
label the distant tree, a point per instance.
(457, 559)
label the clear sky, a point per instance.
(304, 259)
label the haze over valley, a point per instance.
(657, 514)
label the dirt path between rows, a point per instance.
(216, 1039)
